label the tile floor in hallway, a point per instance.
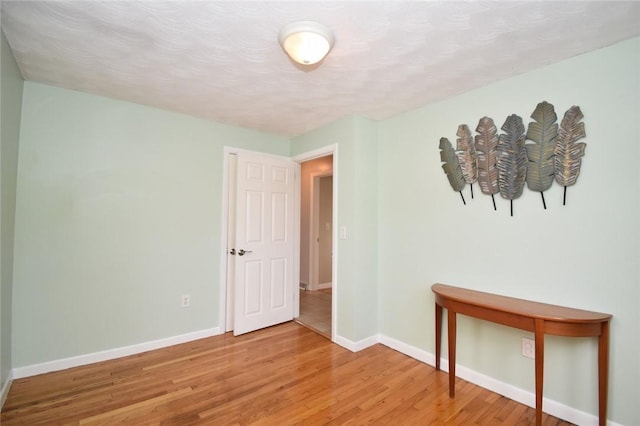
(315, 310)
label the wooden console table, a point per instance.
(539, 318)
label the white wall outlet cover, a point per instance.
(185, 301)
(528, 347)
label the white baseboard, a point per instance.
(522, 396)
(412, 351)
(356, 346)
(76, 361)
(316, 287)
(5, 389)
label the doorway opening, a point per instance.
(325, 284)
(316, 244)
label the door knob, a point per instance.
(232, 251)
(241, 252)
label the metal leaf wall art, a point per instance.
(504, 163)
(467, 157)
(512, 159)
(568, 153)
(451, 167)
(486, 148)
(543, 133)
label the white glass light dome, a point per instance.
(306, 42)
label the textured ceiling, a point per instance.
(221, 60)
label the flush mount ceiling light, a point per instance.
(306, 42)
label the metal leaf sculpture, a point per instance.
(467, 156)
(486, 147)
(568, 153)
(512, 159)
(543, 132)
(451, 167)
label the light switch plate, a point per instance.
(343, 233)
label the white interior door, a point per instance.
(264, 242)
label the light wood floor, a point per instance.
(283, 375)
(315, 310)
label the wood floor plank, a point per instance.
(283, 375)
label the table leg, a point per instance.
(603, 373)
(438, 334)
(539, 336)
(451, 327)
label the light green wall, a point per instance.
(118, 214)
(585, 254)
(365, 297)
(356, 183)
(11, 107)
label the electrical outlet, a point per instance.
(185, 301)
(528, 348)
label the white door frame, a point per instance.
(224, 249)
(229, 218)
